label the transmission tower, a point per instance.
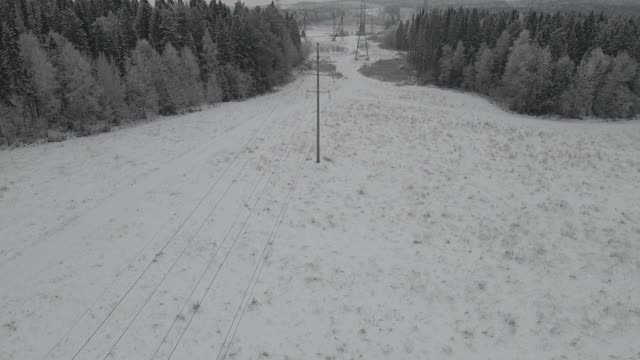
(362, 45)
(333, 15)
(303, 31)
(363, 22)
(339, 30)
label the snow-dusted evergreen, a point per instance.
(576, 65)
(85, 65)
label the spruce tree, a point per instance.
(616, 98)
(5, 75)
(111, 98)
(72, 29)
(446, 66)
(563, 71)
(458, 65)
(483, 70)
(41, 75)
(141, 83)
(155, 30)
(143, 20)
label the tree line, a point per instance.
(572, 64)
(85, 65)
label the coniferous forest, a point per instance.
(571, 64)
(84, 65)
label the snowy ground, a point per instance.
(437, 226)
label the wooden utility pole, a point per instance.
(318, 104)
(317, 91)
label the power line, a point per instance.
(260, 264)
(216, 254)
(233, 243)
(88, 309)
(184, 249)
(253, 136)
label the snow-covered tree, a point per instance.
(563, 74)
(527, 76)
(141, 86)
(616, 98)
(78, 89)
(483, 70)
(41, 74)
(251, 51)
(469, 77)
(113, 107)
(182, 86)
(143, 20)
(213, 92)
(446, 68)
(457, 65)
(589, 79)
(190, 80)
(172, 99)
(501, 54)
(210, 68)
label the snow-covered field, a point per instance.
(437, 227)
